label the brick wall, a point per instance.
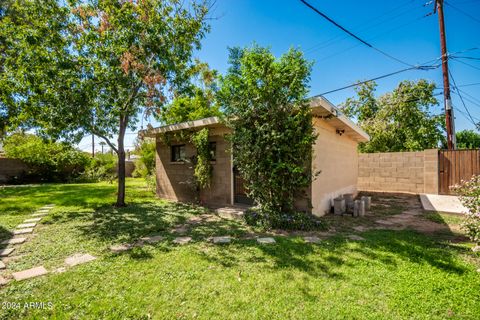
(173, 178)
(10, 168)
(415, 172)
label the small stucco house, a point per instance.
(334, 154)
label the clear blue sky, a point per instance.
(397, 27)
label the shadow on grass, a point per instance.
(5, 234)
(327, 259)
(137, 220)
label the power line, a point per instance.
(469, 95)
(467, 64)
(365, 26)
(352, 34)
(463, 12)
(379, 77)
(471, 58)
(461, 99)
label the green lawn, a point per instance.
(391, 275)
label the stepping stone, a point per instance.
(385, 222)
(182, 240)
(32, 220)
(152, 239)
(26, 225)
(121, 247)
(6, 252)
(266, 240)
(23, 231)
(39, 214)
(355, 237)
(221, 240)
(43, 210)
(360, 228)
(2, 265)
(14, 241)
(476, 249)
(60, 270)
(79, 258)
(30, 273)
(312, 239)
(3, 281)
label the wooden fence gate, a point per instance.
(455, 166)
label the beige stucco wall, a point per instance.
(414, 172)
(173, 177)
(337, 158)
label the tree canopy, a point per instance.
(400, 120)
(265, 101)
(468, 139)
(94, 66)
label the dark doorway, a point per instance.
(239, 191)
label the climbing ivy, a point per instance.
(265, 101)
(202, 166)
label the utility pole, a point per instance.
(449, 119)
(93, 145)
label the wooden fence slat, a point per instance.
(455, 166)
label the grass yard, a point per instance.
(392, 274)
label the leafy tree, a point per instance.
(107, 60)
(400, 120)
(198, 102)
(468, 139)
(145, 164)
(47, 160)
(265, 100)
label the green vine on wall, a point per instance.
(201, 163)
(202, 168)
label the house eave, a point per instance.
(321, 107)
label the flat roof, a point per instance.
(321, 107)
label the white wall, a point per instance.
(337, 158)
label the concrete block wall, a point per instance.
(174, 178)
(414, 172)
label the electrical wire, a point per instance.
(379, 77)
(365, 26)
(467, 64)
(461, 99)
(463, 12)
(352, 34)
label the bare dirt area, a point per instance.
(395, 211)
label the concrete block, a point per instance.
(78, 258)
(367, 201)
(6, 252)
(30, 273)
(339, 206)
(14, 241)
(267, 240)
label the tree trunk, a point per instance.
(121, 162)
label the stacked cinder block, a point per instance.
(415, 172)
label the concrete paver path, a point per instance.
(79, 258)
(14, 241)
(30, 273)
(23, 231)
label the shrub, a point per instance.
(469, 192)
(145, 164)
(47, 160)
(102, 167)
(265, 101)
